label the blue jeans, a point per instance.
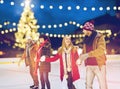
(70, 81)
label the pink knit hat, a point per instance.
(88, 26)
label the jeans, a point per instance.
(99, 72)
(70, 81)
(44, 80)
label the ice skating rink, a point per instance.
(13, 76)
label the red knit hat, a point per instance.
(88, 26)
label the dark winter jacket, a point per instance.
(45, 51)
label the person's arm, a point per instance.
(82, 58)
(78, 58)
(36, 67)
(52, 59)
(22, 58)
(37, 60)
(100, 50)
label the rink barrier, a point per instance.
(113, 57)
(9, 60)
(15, 60)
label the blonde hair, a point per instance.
(61, 49)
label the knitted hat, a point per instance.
(88, 26)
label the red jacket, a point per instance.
(75, 71)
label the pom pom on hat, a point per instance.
(89, 26)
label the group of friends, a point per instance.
(37, 55)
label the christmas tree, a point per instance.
(27, 26)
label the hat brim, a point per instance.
(84, 28)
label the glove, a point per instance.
(42, 59)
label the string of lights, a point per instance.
(60, 7)
(55, 26)
(60, 25)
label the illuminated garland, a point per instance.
(12, 3)
(60, 7)
(55, 26)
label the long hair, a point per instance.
(61, 49)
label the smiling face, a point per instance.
(66, 44)
(67, 41)
(87, 32)
(28, 41)
(41, 40)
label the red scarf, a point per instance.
(39, 51)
